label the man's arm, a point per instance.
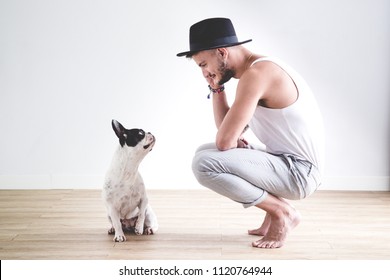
(235, 119)
(220, 107)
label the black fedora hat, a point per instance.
(210, 34)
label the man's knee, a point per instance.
(203, 166)
(198, 164)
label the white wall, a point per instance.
(68, 67)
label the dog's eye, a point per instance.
(141, 132)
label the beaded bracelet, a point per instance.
(218, 90)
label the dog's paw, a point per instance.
(138, 231)
(111, 231)
(148, 231)
(119, 238)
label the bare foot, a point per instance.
(281, 224)
(263, 229)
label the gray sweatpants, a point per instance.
(248, 175)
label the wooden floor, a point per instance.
(194, 224)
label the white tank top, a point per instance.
(296, 129)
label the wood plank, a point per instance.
(195, 224)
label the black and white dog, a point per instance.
(124, 190)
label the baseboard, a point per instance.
(69, 181)
(361, 183)
(57, 181)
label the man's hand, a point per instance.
(242, 143)
(212, 82)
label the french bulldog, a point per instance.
(124, 191)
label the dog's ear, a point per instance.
(119, 131)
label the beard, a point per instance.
(225, 72)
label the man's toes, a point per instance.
(267, 244)
(257, 232)
(256, 243)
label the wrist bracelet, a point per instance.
(218, 90)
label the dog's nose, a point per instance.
(151, 136)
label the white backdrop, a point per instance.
(68, 67)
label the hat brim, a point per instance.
(190, 53)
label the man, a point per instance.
(276, 103)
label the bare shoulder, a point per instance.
(263, 71)
(256, 80)
(269, 83)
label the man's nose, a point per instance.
(206, 73)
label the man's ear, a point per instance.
(222, 52)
